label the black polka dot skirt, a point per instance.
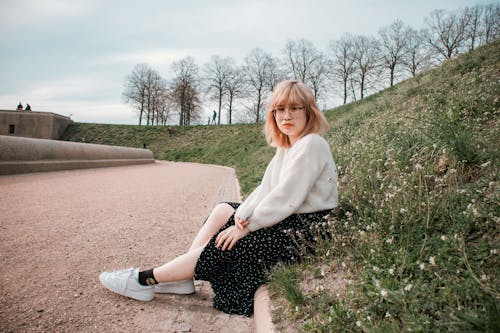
(236, 274)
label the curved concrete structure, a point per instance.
(23, 155)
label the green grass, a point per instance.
(415, 236)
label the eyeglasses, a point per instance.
(280, 111)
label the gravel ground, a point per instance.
(59, 230)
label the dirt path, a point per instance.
(59, 230)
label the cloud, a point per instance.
(158, 57)
(33, 13)
(69, 88)
(111, 113)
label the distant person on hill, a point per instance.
(214, 116)
(239, 243)
(19, 106)
(27, 108)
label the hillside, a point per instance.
(416, 232)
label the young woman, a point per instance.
(239, 243)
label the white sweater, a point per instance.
(301, 179)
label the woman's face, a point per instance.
(291, 120)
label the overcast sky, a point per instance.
(72, 56)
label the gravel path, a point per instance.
(59, 230)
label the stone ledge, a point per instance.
(263, 322)
(23, 155)
(16, 167)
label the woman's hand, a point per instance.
(241, 224)
(227, 238)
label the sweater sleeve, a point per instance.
(298, 176)
(248, 205)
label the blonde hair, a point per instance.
(291, 92)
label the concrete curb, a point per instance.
(25, 155)
(262, 317)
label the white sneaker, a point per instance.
(183, 287)
(125, 282)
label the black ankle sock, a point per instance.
(146, 278)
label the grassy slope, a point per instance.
(417, 226)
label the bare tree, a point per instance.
(164, 107)
(235, 88)
(366, 60)
(275, 73)
(342, 62)
(143, 89)
(472, 16)
(257, 65)
(300, 56)
(352, 87)
(417, 55)
(392, 45)
(216, 76)
(185, 91)
(155, 85)
(491, 23)
(318, 75)
(446, 32)
(136, 88)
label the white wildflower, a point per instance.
(387, 315)
(389, 240)
(418, 166)
(391, 271)
(358, 323)
(432, 261)
(475, 212)
(484, 277)
(343, 264)
(422, 266)
(408, 287)
(443, 238)
(484, 165)
(403, 210)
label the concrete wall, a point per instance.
(22, 155)
(31, 124)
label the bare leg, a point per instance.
(217, 218)
(182, 267)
